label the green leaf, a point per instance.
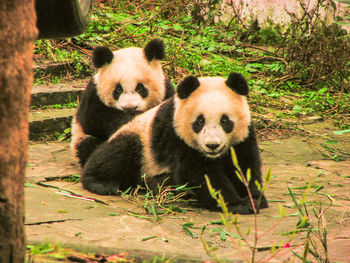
(147, 238)
(186, 227)
(26, 184)
(223, 236)
(188, 231)
(180, 187)
(154, 213)
(334, 6)
(31, 165)
(234, 157)
(280, 210)
(190, 224)
(239, 176)
(139, 216)
(341, 132)
(212, 191)
(47, 250)
(319, 173)
(258, 185)
(307, 187)
(236, 236)
(332, 142)
(249, 175)
(268, 176)
(318, 188)
(217, 222)
(178, 27)
(203, 229)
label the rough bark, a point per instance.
(17, 32)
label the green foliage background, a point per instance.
(294, 70)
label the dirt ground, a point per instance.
(64, 213)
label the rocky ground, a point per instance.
(60, 211)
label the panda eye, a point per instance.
(117, 91)
(224, 119)
(200, 120)
(226, 123)
(198, 124)
(141, 89)
(119, 88)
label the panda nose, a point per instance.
(212, 146)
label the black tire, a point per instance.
(62, 18)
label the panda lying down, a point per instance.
(184, 138)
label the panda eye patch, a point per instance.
(198, 124)
(141, 89)
(226, 123)
(117, 91)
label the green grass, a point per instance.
(201, 47)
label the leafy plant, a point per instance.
(306, 59)
(303, 225)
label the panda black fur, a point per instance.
(185, 138)
(128, 82)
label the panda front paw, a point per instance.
(246, 207)
(260, 201)
(263, 202)
(243, 209)
(102, 188)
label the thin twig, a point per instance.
(262, 49)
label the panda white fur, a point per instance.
(128, 82)
(185, 138)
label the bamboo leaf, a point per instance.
(249, 175)
(147, 238)
(234, 157)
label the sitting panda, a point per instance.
(185, 138)
(128, 82)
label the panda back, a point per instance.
(141, 127)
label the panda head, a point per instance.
(130, 78)
(211, 113)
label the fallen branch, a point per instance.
(70, 193)
(52, 221)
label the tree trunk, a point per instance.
(17, 32)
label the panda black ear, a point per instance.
(187, 86)
(102, 56)
(155, 49)
(237, 83)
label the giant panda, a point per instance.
(184, 138)
(128, 82)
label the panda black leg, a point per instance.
(249, 158)
(86, 147)
(260, 202)
(188, 172)
(114, 166)
(153, 182)
(235, 203)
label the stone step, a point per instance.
(51, 68)
(62, 93)
(45, 68)
(49, 123)
(52, 108)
